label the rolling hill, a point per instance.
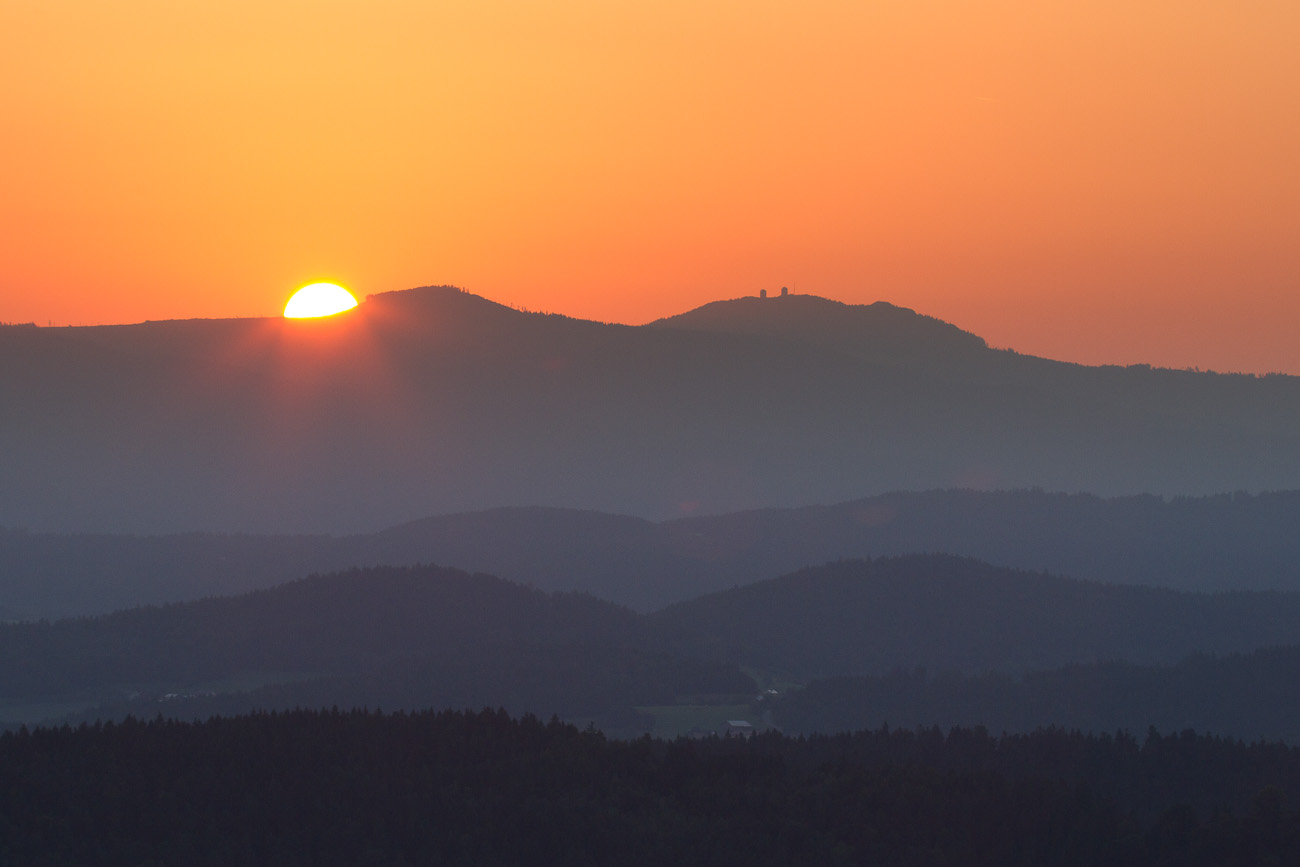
(418, 637)
(436, 637)
(945, 613)
(1224, 542)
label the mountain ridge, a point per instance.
(438, 401)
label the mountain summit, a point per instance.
(880, 333)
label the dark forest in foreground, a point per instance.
(360, 788)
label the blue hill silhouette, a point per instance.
(435, 401)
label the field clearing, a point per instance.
(674, 720)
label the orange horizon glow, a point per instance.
(1099, 182)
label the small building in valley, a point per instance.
(738, 728)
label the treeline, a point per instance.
(357, 788)
(1247, 696)
(600, 685)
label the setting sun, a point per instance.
(319, 299)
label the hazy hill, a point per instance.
(434, 401)
(1222, 542)
(1239, 541)
(848, 618)
(1250, 696)
(433, 637)
(322, 623)
(945, 613)
(416, 637)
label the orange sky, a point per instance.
(1094, 180)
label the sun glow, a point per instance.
(319, 299)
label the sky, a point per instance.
(1102, 181)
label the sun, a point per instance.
(319, 299)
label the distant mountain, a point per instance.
(944, 613)
(1224, 542)
(435, 401)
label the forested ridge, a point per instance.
(394, 637)
(452, 787)
(948, 613)
(420, 637)
(320, 623)
(1248, 696)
